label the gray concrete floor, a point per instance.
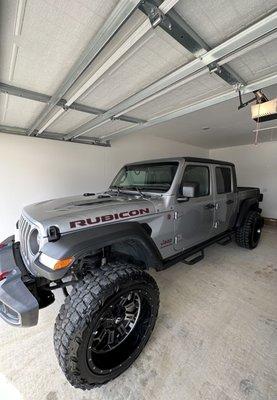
(215, 338)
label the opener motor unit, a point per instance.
(266, 111)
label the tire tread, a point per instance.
(243, 233)
(85, 300)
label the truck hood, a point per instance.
(79, 212)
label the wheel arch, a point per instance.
(129, 238)
(246, 206)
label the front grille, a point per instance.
(24, 232)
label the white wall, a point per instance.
(34, 169)
(256, 166)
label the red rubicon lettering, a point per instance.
(107, 218)
(124, 214)
(80, 222)
(92, 222)
(134, 212)
(144, 210)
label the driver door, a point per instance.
(194, 218)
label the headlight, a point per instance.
(55, 264)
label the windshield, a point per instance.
(156, 177)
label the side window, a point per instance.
(201, 176)
(223, 180)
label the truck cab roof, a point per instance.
(186, 159)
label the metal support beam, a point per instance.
(44, 98)
(176, 27)
(14, 130)
(119, 53)
(248, 37)
(118, 16)
(260, 84)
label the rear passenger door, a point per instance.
(225, 198)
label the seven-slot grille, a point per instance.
(24, 232)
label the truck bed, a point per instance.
(245, 192)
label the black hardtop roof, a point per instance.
(208, 161)
(187, 159)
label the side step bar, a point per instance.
(185, 256)
(225, 241)
(192, 261)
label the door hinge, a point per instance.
(176, 215)
(216, 224)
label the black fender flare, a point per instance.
(81, 242)
(245, 207)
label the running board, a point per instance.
(184, 256)
(192, 261)
(225, 241)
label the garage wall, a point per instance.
(34, 169)
(256, 166)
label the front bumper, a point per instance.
(18, 306)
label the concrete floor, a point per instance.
(215, 338)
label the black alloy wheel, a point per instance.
(105, 323)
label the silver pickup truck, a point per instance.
(98, 247)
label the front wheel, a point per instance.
(105, 323)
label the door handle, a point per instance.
(229, 201)
(209, 206)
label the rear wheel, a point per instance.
(248, 235)
(105, 323)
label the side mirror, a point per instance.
(188, 190)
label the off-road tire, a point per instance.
(76, 321)
(249, 233)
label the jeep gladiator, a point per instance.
(97, 248)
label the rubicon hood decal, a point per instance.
(71, 213)
(108, 218)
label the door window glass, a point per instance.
(200, 176)
(223, 180)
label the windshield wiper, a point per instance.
(117, 188)
(139, 191)
(136, 188)
(120, 189)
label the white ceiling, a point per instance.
(227, 126)
(38, 50)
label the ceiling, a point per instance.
(226, 126)
(42, 40)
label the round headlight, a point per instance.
(34, 241)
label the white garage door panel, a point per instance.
(70, 120)
(109, 127)
(191, 92)
(15, 109)
(7, 22)
(52, 38)
(150, 59)
(216, 21)
(257, 63)
(126, 30)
